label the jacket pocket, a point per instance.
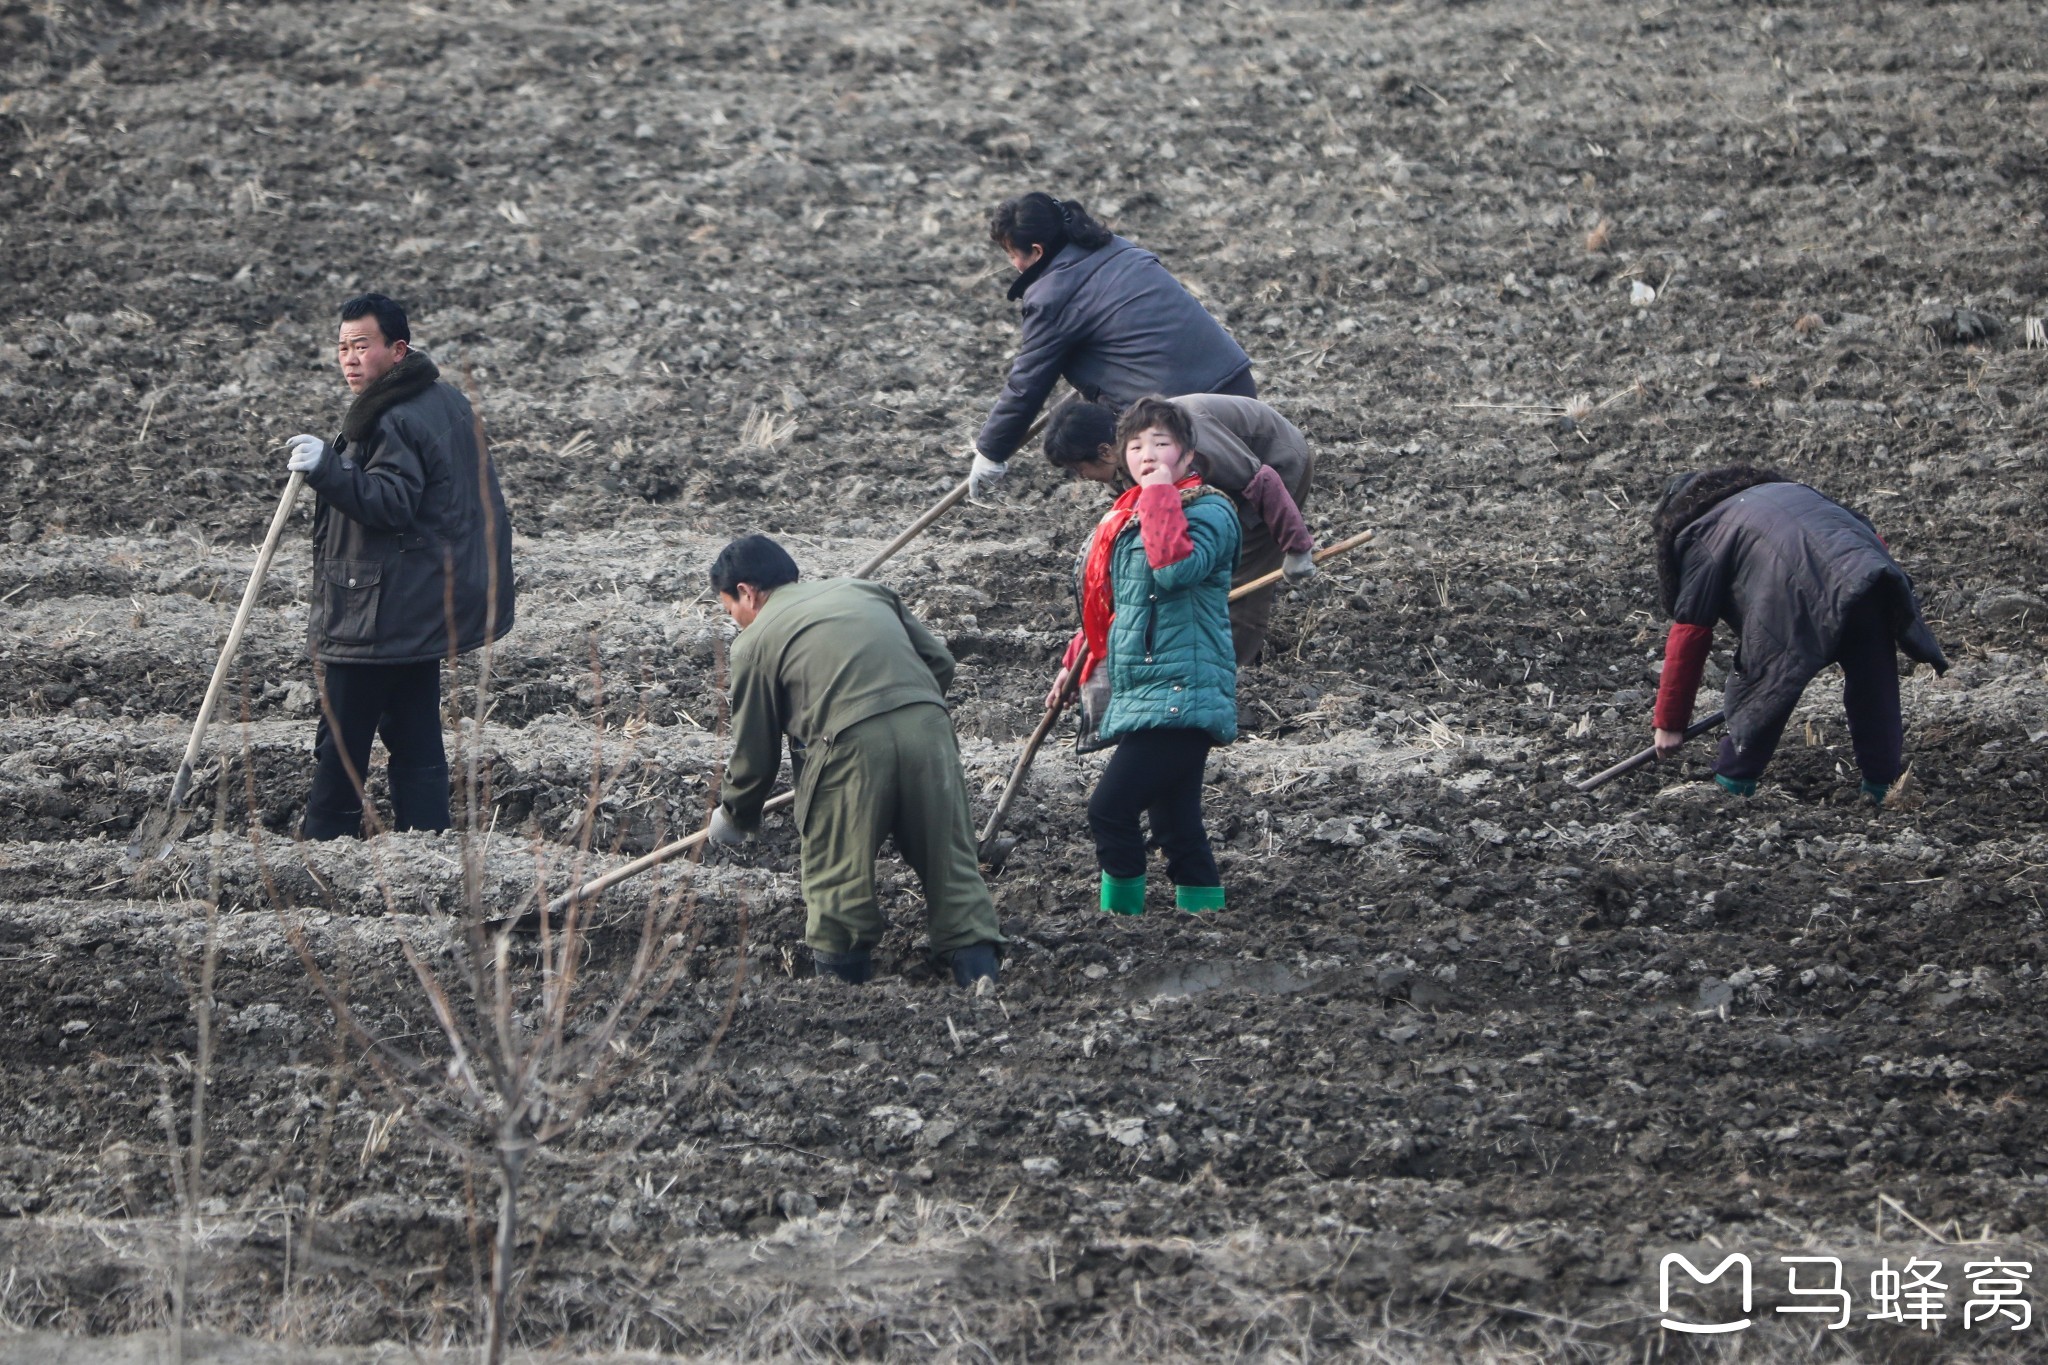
(354, 589)
(809, 761)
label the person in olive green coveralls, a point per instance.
(858, 684)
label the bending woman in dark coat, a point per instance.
(1806, 583)
(1102, 313)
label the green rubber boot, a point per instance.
(1874, 792)
(1736, 786)
(1123, 895)
(1196, 899)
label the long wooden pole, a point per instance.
(598, 885)
(937, 510)
(1265, 579)
(985, 844)
(913, 531)
(181, 786)
(1635, 761)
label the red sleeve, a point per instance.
(1163, 525)
(1269, 497)
(1074, 648)
(1685, 658)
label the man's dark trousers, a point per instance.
(401, 702)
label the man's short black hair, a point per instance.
(390, 317)
(751, 559)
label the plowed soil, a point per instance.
(1468, 1053)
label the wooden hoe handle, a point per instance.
(1265, 579)
(181, 787)
(1635, 761)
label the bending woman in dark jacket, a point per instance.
(1102, 313)
(1806, 583)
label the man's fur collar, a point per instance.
(1695, 498)
(408, 379)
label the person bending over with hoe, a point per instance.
(1101, 312)
(1806, 582)
(858, 685)
(1155, 626)
(1260, 461)
(412, 562)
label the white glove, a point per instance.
(1298, 566)
(983, 478)
(724, 831)
(307, 453)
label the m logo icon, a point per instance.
(1692, 1271)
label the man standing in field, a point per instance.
(858, 684)
(412, 562)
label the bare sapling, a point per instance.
(187, 1155)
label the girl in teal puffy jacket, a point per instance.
(1155, 617)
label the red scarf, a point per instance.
(1098, 601)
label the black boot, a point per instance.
(320, 825)
(334, 806)
(419, 797)
(853, 967)
(974, 962)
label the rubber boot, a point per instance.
(1736, 786)
(855, 968)
(419, 797)
(1123, 895)
(1196, 899)
(974, 962)
(1874, 792)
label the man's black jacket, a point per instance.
(404, 512)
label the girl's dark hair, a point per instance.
(1038, 219)
(751, 559)
(1155, 411)
(1078, 430)
(1686, 499)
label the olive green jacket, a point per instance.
(819, 658)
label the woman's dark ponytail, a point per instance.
(1082, 230)
(1038, 219)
